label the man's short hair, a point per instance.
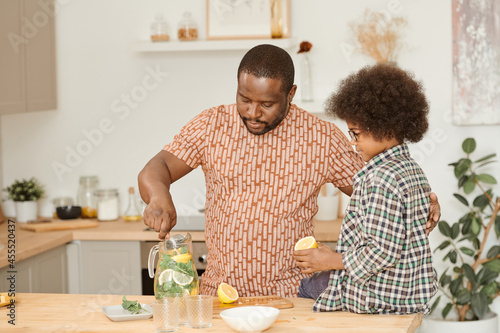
(271, 62)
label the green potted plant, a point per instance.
(471, 281)
(25, 194)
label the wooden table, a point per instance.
(82, 313)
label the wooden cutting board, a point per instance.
(58, 225)
(273, 301)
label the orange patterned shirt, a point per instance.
(261, 193)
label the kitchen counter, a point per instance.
(82, 313)
(30, 243)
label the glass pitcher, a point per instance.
(175, 271)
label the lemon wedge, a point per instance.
(306, 243)
(226, 293)
(183, 258)
(182, 279)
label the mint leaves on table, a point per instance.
(132, 306)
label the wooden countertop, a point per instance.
(82, 313)
(30, 243)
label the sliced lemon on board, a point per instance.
(226, 293)
(306, 243)
(165, 276)
(182, 279)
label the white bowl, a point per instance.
(250, 318)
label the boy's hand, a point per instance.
(434, 214)
(321, 259)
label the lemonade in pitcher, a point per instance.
(175, 271)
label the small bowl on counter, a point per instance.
(69, 212)
(250, 318)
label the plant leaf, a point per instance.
(469, 185)
(443, 245)
(462, 166)
(463, 297)
(469, 145)
(456, 285)
(453, 256)
(481, 201)
(469, 273)
(462, 181)
(493, 251)
(487, 157)
(435, 304)
(467, 251)
(446, 310)
(479, 304)
(485, 178)
(493, 265)
(455, 230)
(490, 289)
(461, 199)
(445, 229)
(475, 226)
(485, 163)
(497, 226)
(485, 276)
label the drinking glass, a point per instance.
(182, 307)
(199, 311)
(166, 314)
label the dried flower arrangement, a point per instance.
(378, 36)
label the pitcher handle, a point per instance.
(151, 261)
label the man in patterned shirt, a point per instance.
(264, 161)
(383, 262)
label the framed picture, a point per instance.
(247, 19)
(476, 62)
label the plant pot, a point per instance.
(26, 211)
(488, 324)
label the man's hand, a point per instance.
(434, 214)
(321, 259)
(160, 215)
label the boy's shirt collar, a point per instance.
(400, 150)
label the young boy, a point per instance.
(382, 263)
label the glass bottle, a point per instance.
(133, 213)
(85, 197)
(61, 202)
(108, 205)
(305, 77)
(276, 19)
(187, 29)
(159, 29)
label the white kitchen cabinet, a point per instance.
(27, 57)
(104, 267)
(43, 273)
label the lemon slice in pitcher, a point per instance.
(165, 276)
(182, 279)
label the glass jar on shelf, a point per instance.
(187, 29)
(159, 29)
(85, 197)
(108, 204)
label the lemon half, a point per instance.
(165, 276)
(226, 293)
(306, 243)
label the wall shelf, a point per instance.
(210, 45)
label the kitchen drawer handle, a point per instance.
(203, 259)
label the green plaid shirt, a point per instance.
(385, 251)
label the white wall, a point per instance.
(96, 69)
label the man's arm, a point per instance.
(434, 214)
(154, 186)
